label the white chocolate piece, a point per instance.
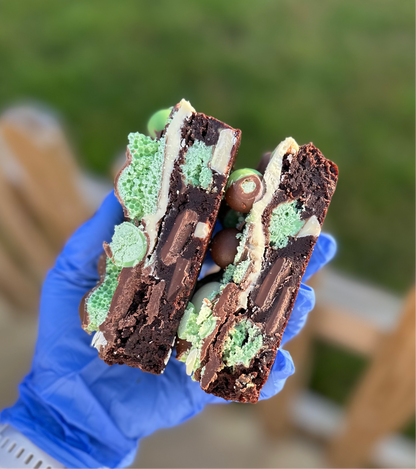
(201, 230)
(190, 361)
(310, 228)
(222, 151)
(257, 239)
(172, 147)
(98, 340)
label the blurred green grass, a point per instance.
(338, 73)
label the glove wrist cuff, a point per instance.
(16, 451)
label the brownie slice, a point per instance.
(146, 301)
(240, 326)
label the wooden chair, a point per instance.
(40, 200)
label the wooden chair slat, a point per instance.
(15, 285)
(49, 186)
(385, 398)
(20, 231)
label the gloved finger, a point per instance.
(282, 368)
(305, 302)
(323, 252)
(78, 261)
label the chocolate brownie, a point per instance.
(170, 189)
(232, 329)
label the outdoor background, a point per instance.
(339, 73)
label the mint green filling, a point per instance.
(285, 222)
(139, 183)
(194, 327)
(195, 169)
(248, 186)
(128, 245)
(100, 300)
(236, 271)
(242, 344)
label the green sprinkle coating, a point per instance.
(242, 344)
(240, 270)
(196, 170)
(128, 245)
(228, 274)
(157, 121)
(99, 302)
(285, 222)
(139, 183)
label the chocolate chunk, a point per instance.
(183, 227)
(179, 277)
(272, 282)
(224, 247)
(278, 311)
(153, 306)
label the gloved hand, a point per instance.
(85, 413)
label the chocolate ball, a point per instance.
(244, 190)
(224, 247)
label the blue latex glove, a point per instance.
(85, 413)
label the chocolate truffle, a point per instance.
(224, 247)
(243, 190)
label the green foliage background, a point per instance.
(339, 73)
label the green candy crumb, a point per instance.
(128, 245)
(99, 302)
(285, 222)
(195, 169)
(240, 270)
(242, 344)
(194, 327)
(139, 183)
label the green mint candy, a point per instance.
(158, 121)
(128, 245)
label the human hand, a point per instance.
(85, 413)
